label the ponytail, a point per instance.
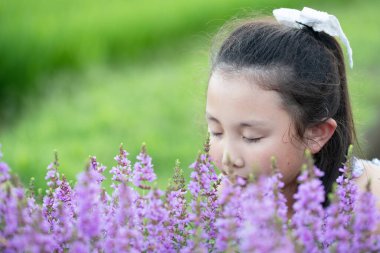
(333, 154)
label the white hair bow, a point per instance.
(319, 21)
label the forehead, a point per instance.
(238, 96)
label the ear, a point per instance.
(317, 136)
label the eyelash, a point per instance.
(248, 140)
(215, 134)
(251, 140)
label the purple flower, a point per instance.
(229, 220)
(122, 172)
(178, 218)
(273, 188)
(346, 191)
(25, 229)
(123, 233)
(143, 170)
(243, 216)
(307, 220)
(338, 231)
(89, 204)
(156, 216)
(203, 187)
(262, 228)
(62, 224)
(53, 181)
(11, 210)
(99, 168)
(176, 205)
(366, 221)
(4, 172)
(336, 234)
(4, 195)
(79, 247)
(64, 193)
(52, 175)
(37, 230)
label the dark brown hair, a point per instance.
(307, 69)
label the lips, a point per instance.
(230, 172)
(233, 177)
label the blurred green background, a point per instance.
(81, 77)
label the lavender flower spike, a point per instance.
(143, 170)
(307, 220)
(4, 170)
(367, 219)
(122, 172)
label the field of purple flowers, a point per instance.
(245, 215)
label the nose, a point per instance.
(231, 158)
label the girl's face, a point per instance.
(248, 125)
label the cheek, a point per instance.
(290, 164)
(216, 153)
(260, 160)
(289, 159)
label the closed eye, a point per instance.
(216, 134)
(251, 140)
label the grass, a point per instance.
(40, 37)
(158, 103)
(157, 98)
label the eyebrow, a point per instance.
(212, 118)
(250, 123)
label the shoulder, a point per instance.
(368, 170)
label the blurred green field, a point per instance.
(91, 75)
(42, 37)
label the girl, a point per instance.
(277, 89)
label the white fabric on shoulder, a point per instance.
(357, 167)
(376, 161)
